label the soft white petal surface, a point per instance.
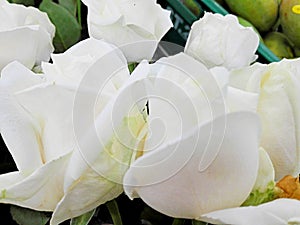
(110, 71)
(277, 212)
(19, 44)
(104, 153)
(135, 25)
(180, 190)
(239, 100)
(40, 190)
(104, 83)
(218, 40)
(28, 125)
(19, 130)
(278, 87)
(56, 125)
(25, 35)
(184, 94)
(266, 172)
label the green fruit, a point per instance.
(246, 23)
(290, 20)
(261, 13)
(193, 7)
(279, 44)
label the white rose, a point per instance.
(136, 25)
(46, 121)
(25, 35)
(217, 40)
(202, 158)
(278, 89)
(107, 124)
(203, 167)
(34, 126)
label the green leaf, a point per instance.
(197, 222)
(23, 2)
(79, 14)
(25, 216)
(114, 212)
(68, 30)
(70, 5)
(178, 221)
(154, 217)
(83, 219)
(132, 66)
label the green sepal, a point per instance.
(257, 197)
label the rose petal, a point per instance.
(18, 129)
(25, 35)
(277, 212)
(99, 163)
(239, 100)
(278, 87)
(179, 191)
(193, 95)
(20, 44)
(38, 190)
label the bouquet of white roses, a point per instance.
(94, 113)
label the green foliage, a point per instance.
(257, 197)
(113, 209)
(197, 222)
(70, 5)
(178, 221)
(132, 66)
(155, 217)
(83, 219)
(25, 216)
(68, 30)
(24, 2)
